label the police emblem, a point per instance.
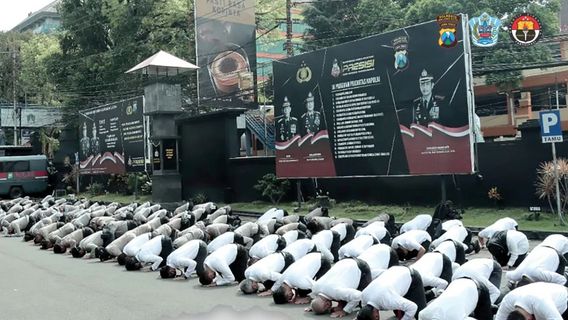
(335, 69)
(448, 26)
(304, 74)
(484, 30)
(525, 29)
(400, 45)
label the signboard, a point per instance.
(112, 138)
(226, 51)
(393, 104)
(32, 117)
(550, 126)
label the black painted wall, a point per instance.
(207, 143)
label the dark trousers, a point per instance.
(349, 233)
(366, 277)
(416, 292)
(335, 245)
(200, 258)
(324, 267)
(447, 270)
(240, 264)
(483, 308)
(393, 261)
(387, 239)
(495, 277)
(460, 253)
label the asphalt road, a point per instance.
(37, 284)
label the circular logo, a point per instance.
(525, 29)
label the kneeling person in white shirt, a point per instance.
(266, 271)
(342, 283)
(462, 298)
(297, 281)
(224, 266)
(187, 258)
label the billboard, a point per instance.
(226, 52)
(393, 104)
(112, 138)
(32, 117)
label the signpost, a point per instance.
(551, 132)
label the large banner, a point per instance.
(226, 51)
(112, 138)
(393, 104)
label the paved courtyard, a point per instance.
(37, 284)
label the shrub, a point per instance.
(95, 189)
(272, 187)
(546, 186)
(199, 198)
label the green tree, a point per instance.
(35, 80)
(331, 23)
(101, 39)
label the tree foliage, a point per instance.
(335, 22)
(101, 39)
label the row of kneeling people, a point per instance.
(422, 272)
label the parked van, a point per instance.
(20, 175)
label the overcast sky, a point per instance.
(13, 12)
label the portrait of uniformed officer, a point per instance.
(426, 109)
(288, 125)
(95, 143)
(311, 120)
(85, 141)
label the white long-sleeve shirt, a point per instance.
(556, 241)
(518, 244)
(267, 268)
(448, 248)
(219, 262)
(324, 238)
(411, 240)
(457, 302)
(420, 222)
(150, 252)
(388, 290)
(546, 301)
(355, 247)
(340, 228)
(300, 274)
(184, 257)
(447, 225)
(273, 213)
(131, 249)
(457, 233)
(291, 236)
(376, 229)
(223, 239)
(378, 258)
(430, 268)
(301, 247)
(479, 270)
(264, 247)
(499, 225)
(340, 283)
(539, 265)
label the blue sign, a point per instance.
(550, 126)
(484, 30)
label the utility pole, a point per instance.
(289, 48)
(14, 94)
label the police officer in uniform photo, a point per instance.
(311, 120)
(427, 107)
(287, 126)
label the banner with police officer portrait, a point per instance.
(394, 104)
(111, 138)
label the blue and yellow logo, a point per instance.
(448, 27)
